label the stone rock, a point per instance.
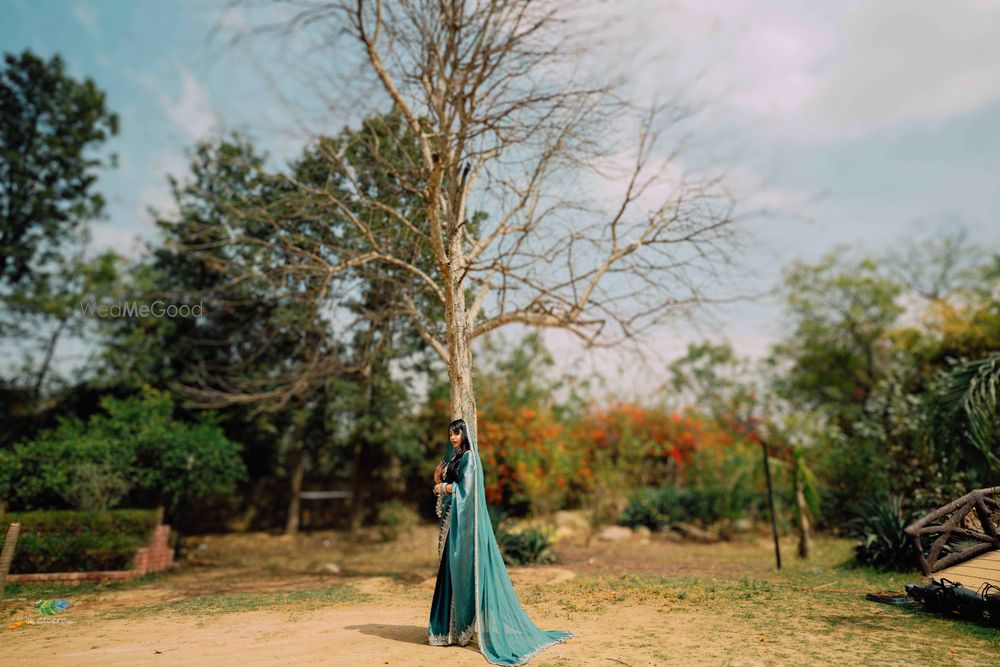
(668, 534)
(742, 526)
(572, 519)
(615, 533)
(329, 568)
(643, 532)
(564, 533)
(560, 575)
(696, 534)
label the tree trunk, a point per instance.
(805, 529)
(362, 446)
(294, 502)
(297, 467)
(463, 400)
(50, 349)
(245, 520)
(362, 474)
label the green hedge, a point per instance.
(78, 541)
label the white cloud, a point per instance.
(905, 61)
(753, 191)
(122, 240)
(815, 71)
(133, 224)
(86, 16)
(191, 111)
(231, 21)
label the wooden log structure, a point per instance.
(977, 561)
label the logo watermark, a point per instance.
(124, 309)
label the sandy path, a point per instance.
(390, 628)
(614, 624)
(368, 634)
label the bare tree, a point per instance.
(935, 267)
(536, 194)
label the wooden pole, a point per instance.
(7, 555)
(770, 502)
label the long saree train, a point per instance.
(473, 591)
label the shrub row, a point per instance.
(69, 541)
(136, 522)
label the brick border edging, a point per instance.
(156, 557)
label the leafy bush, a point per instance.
(720, 485)
(136, 445)
(643, 509)
(96, 486)
(41, 473)
(395, 517)
(525, 547)
(69, 541)
(653, 508)
(879, 527)
(724, 484)
(74, 553)
(136, 522)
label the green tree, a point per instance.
(147, 457)
(964, 419)
(51, 129)
(249, 337)
(379, 437)
(306, 359)
(49, 124)
(714, 378)
(841, 311)
(833, 365)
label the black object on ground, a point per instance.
(891, 598)
(949, 597)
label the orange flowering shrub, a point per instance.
(526, 463)
(539, 456)
(626, 446)
(651, 445)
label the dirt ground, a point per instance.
(258, 599)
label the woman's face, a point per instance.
(456, 438)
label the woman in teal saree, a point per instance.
(473, 592)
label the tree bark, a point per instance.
(294, 502)
(459, 329)
(362, 474)
(297, 460)
(50, 349)
(243, 523)
(805, 528)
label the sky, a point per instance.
(870, 123)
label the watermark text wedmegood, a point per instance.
(136, 309)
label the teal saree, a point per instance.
(473, 591)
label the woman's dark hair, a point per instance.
(458, 426)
